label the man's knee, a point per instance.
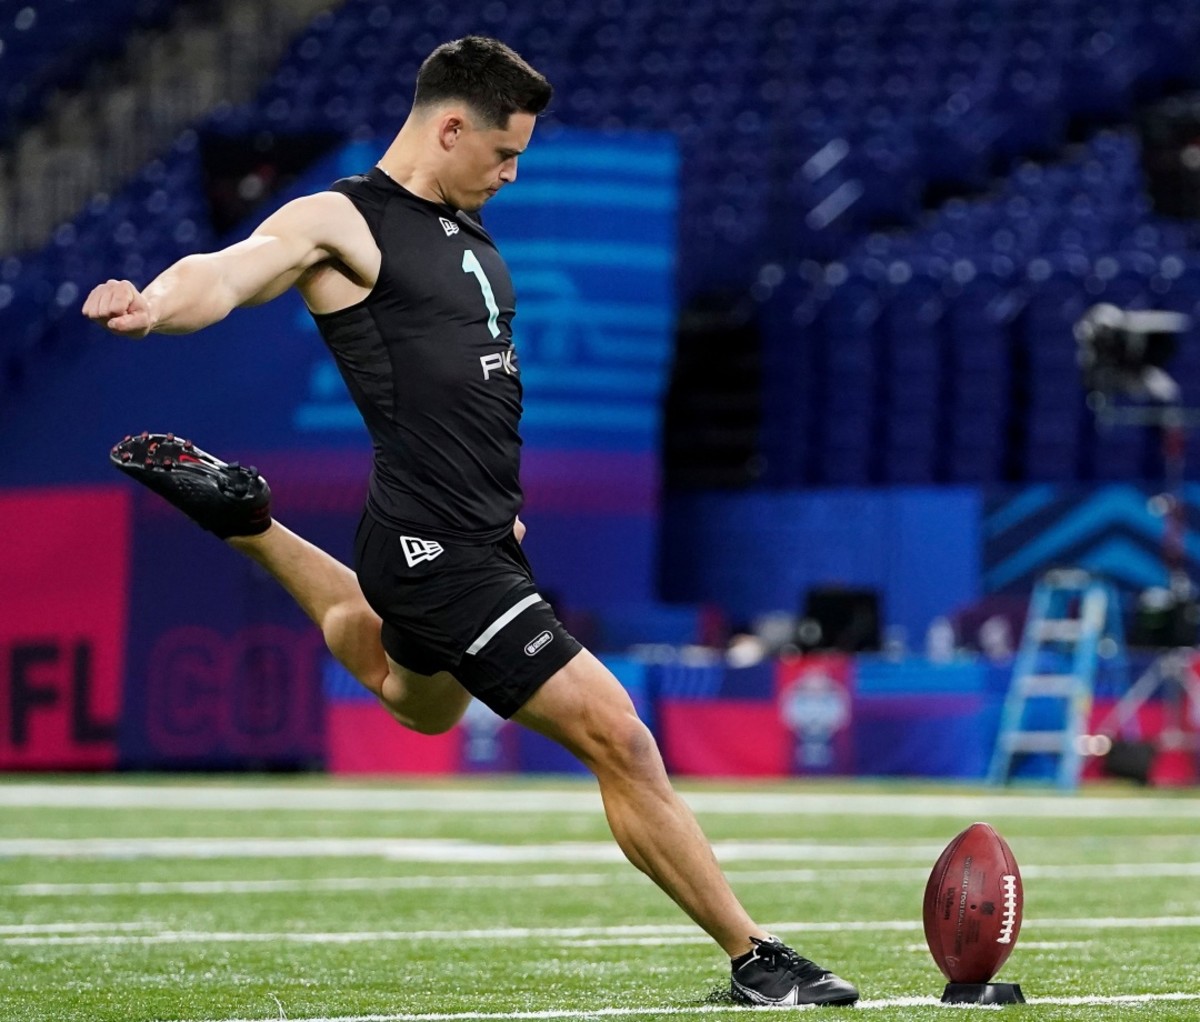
(351, 631)
(350, 620)
(427, 721)
(620, 743)
(585, 709)
(424, 724)
(426, 705)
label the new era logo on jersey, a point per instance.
(418, 550)
(449, 226)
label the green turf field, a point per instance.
(138, 899)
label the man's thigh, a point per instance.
(581, 704)
(427, 703)
(472, 612)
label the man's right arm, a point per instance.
(202, 289)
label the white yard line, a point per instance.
(700, 1009)
(26, 928)
(455, 850)
(631, 933)
(152, 887)
(431, 850)
(1032, 945)
(1098, 871)
(583, 799)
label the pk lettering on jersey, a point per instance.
(498, 361)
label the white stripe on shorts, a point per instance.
(487, 634)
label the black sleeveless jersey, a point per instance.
(428, 359)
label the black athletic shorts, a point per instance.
(471, 610)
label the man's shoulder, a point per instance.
(322, 214)
(355, 183)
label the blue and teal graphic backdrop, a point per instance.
(589, 232)
(1116, 531)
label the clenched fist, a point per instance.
(121, 307)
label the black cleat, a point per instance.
(227, 500)
(771, 973)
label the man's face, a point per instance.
(484, 160)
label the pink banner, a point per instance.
(362, 738)
(63, 596)
(804, 729)
(723, 738)
(1172, 729)
(814, 695)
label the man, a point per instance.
(416, 304)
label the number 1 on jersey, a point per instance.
(470, 264)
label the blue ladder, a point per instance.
(1073, 629)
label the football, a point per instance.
(973, 906)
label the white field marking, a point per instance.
(630, 933)
(23, 928)
(1083, 871)
(695, 938)
(456, 851)
(583, 799)
(1147, 870)
(702, 1009)
(349, 937)
(431, 850)
(1113, 999)
(325, 884)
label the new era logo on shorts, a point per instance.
(418, 550)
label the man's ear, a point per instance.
(450, 129)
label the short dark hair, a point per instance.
(493, 79)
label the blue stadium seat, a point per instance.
(842, 114)
(975, 465)
(46, 45)
(1050, 461)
